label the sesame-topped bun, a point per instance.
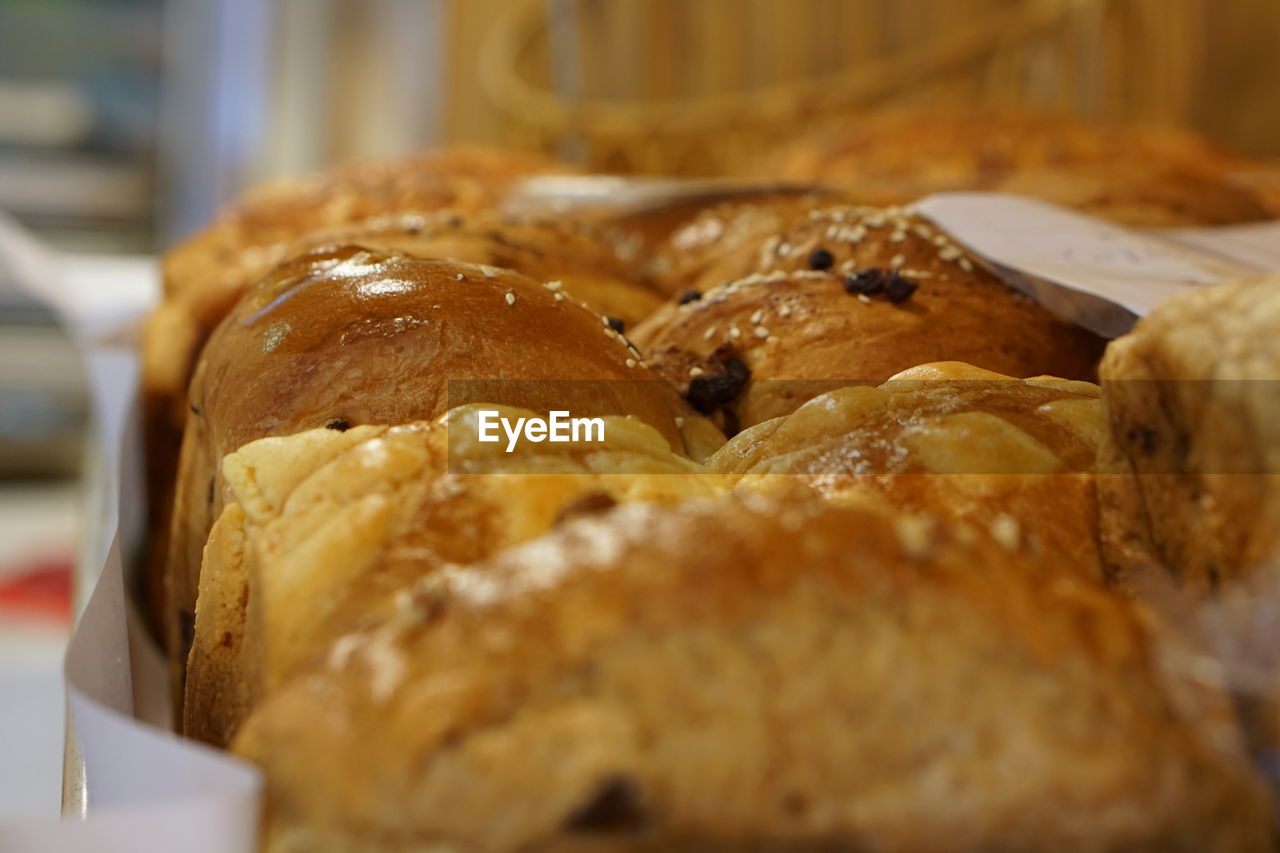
(347, 335)
(314, 545)
(754, 676)
(1012, 456)
(1134, 175)
(842, 295)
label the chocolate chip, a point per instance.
(616, 807)
(898, 289)
(587, 503)
(729, 423)
(711, 391)
(821, 259)
(339, 424)
(866, 281)
(616, 323)
(690, 296)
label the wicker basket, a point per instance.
(663, 86)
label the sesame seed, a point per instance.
(709, 333)
(695, 372)
(784, 311)
(966, 265)
(761, 332)
(897, 261)
(679, 422)
(784, 249)
(459, 277)
(511, 298)
(757, 316)
(631, 362)
(735, 332)
(559, 297)
(863, 298)
(897, 236)
(553, 285)
(949, 253)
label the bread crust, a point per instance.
(1192, 482)
(788, 321)
(345, 336)
(326, 528)
(739, 675)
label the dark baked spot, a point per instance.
(195, 410)
(616, 323)
(587, 503)
(1144, 438)
(866, 281)
(1214, 577)
(795, 804)
(616, 807)
(898, 289)
(690, 296)
(340, 424)
(213, 481)
(821, 259)
(709, 392)
(225, 640)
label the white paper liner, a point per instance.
(146, 789)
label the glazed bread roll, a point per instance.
(1192, 452)
(205, 274)
(327, 527)
(753, 676)
(346, 336)
(1134, 175)
(582, 260)
(1013, 457)
(842, 295)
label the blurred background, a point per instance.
(126, 124)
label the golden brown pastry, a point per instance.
(1014, 457)
(1134, 175)
(346, 335)
(735, 676)
(1192, 456)
(842, 295)
(326, 527)
(205, 274)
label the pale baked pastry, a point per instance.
(1131, 174)
(327, 527)
(1013, 457)
(841, 295)
(1192, 455)
(736, 676)
(345, 336)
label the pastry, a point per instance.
(753, 676)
